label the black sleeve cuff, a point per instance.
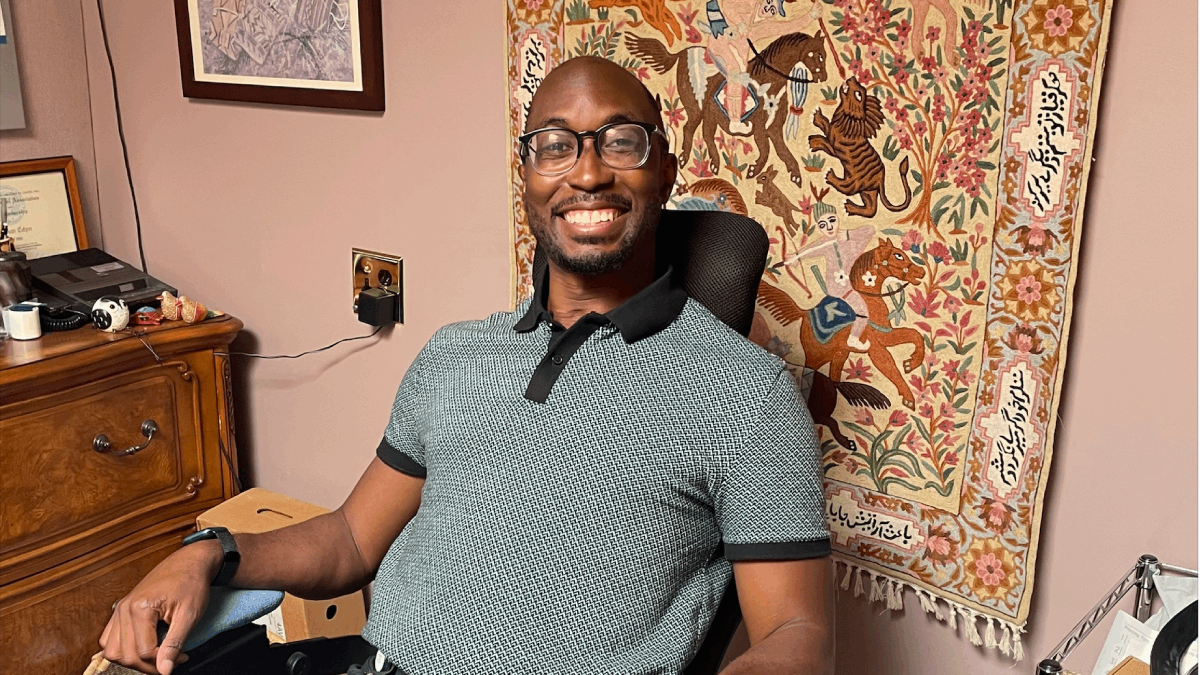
(398, 460)
(784, 550)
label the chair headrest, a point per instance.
(718, 256)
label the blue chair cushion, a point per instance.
(228, 608)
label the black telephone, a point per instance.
(54, 319)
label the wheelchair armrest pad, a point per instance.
(228, 608)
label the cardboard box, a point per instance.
(1131, 666)
(257, 510)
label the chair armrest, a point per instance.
(228, 608)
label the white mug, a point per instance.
(22, 321)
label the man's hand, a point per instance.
(324, 557)
(788, 609)
(175, 592)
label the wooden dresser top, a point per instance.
(55, 356)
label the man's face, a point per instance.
(591, 219)
(828, 224)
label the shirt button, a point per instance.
(556, 360)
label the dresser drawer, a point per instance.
(52, 621)
(63, 497)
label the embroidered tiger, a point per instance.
(847, 138)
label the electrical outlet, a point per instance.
(378, 270)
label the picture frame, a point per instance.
(40, 208)
(319, 53)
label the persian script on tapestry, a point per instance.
(920, 169)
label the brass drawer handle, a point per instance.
(101, 443)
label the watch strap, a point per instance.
(230, 556)
(229, 564)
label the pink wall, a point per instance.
(253, 209)
(48, 36)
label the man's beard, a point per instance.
(641, 223)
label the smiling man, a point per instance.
(566, 488)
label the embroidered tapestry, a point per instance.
(921, 176)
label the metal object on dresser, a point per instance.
(1139, 578)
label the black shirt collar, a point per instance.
(650, 310)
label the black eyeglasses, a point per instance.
(554, 151)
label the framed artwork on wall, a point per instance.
(40, 209)
(322, 53)
(12, 109)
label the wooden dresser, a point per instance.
(79, 526)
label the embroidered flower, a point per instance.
(950, 368)
(940, 549)
(939, 251)
(1057, 26)
(991, 571)
(863, 417)
(911, 241)
(869, 279)
(858, 369)
(923, 305)
(1058, 20)
(841, 278)
(1034, 238)
(996, 515)
(898, 418)
(1024, 339)
(1029, 291)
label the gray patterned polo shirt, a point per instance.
(586, 488)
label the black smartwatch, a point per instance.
(229, 563)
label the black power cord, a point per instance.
(112, 71)
(296, 356)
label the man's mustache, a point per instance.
(615, 200)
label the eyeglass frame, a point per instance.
(648, 127)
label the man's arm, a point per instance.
(325, 557)
(788, 609)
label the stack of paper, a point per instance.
(1132, 638)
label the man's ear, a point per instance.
(670, 169)
(521, 171)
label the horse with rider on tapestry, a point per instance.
(784, 68)
(825, 330)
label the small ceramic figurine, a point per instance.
(110, 315)
(182, 308)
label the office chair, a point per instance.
(720, 259)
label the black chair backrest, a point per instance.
(720, 258)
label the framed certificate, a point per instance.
(39, 207)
